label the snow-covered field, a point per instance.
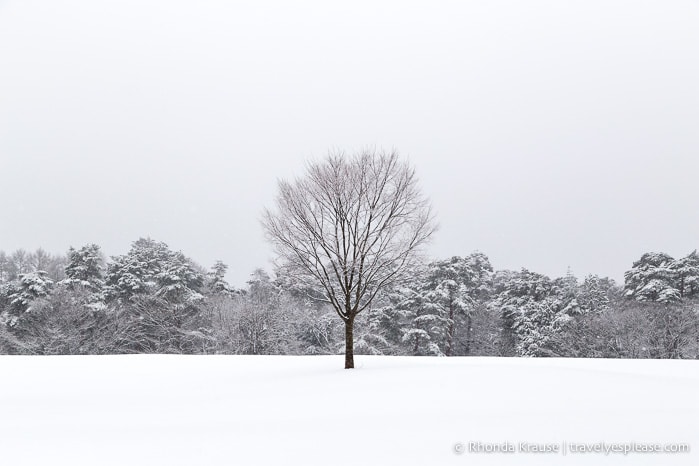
(247, 410)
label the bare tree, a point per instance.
(352, 225)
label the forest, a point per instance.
(156, 300)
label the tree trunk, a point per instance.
(450, 331)
(349, 343)
(468, 334)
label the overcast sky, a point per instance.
(547, 134)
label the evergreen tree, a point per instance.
(455, 286)
(423, 325)
(216, 280)
(31, 286)
(686, 275)
(436, 305)
(155, 294)
(566, 290)
(595, 293)
(653, 278)
(151, 268)
(532, 312)
(85, 268)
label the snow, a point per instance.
(307, 410)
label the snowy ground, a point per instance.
(233, 410)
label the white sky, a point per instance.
(548, 134)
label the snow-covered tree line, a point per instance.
(156, 300)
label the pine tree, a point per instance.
(216, 280)
(31, 286)
(452, 289)
(435, 305)
(151, 268)
(686, 272)
(418, 325)
(155, 294)
(369, 333)
(653, 278)
(85, 268)
(595, 293)
(532, 312)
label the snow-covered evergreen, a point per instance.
(653, 278)
(216, 280)
(533, 309)
(153, 299)
(85, 267)
(686, 270)
(150, 267)
(31, 286)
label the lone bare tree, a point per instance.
(352, 226)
